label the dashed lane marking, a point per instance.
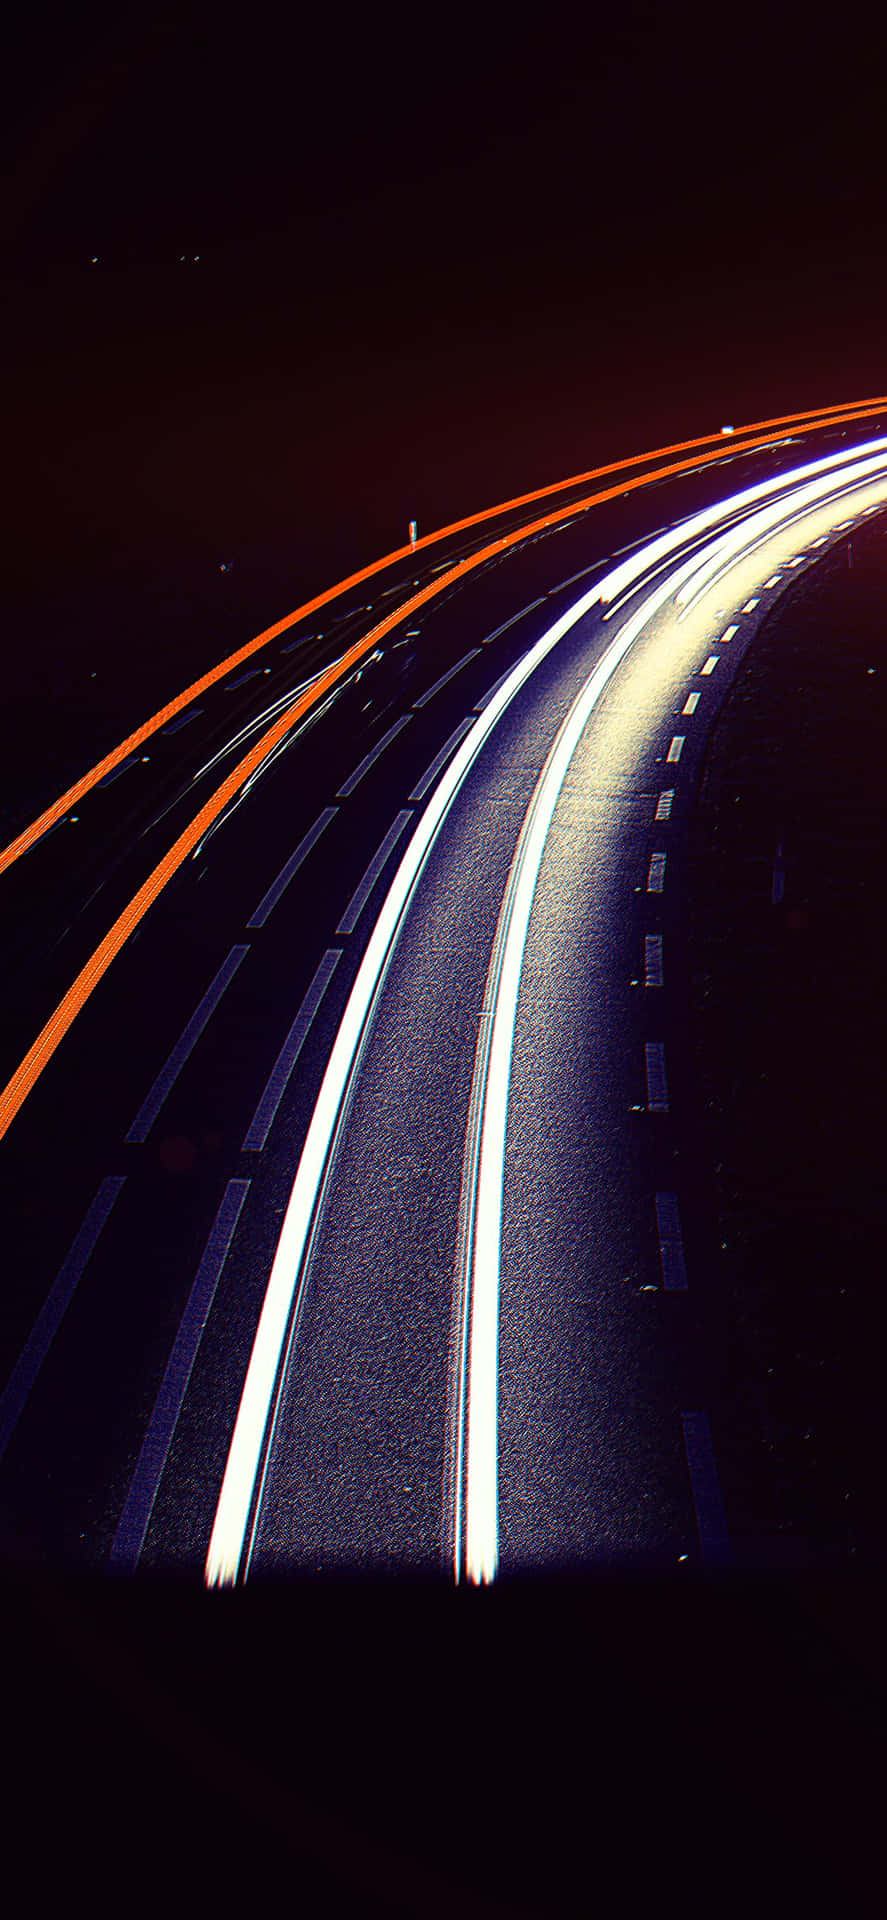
(362, 893)
(711, 663)
(184, 1046)
(444, 678)
(691, 703)
(369, 759)
(663, 804)
(671, 1242)
(657, 1085)
(676, 748)
(656, 873)
(441, 758)
(278, 1081)
(653, 960)
(54, 1308)
(132, 1527)
(711, 1519)
(291, 866)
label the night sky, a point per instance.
(444, 256)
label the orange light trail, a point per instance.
(40, 1053)
(822, 416)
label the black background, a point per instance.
(444, 256)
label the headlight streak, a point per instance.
(283, 1296)
(802, 513)
(52, 1033)
(817, 418)
(475, 1371)
(472, 1469)
(767, 520)
(666, 543)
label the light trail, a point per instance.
(41, 1052)
(475, 1371)
(473, 1419)
(845, 413)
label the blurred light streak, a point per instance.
(847, 411)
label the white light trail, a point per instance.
(281, 1306)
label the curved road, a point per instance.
(361, 1218)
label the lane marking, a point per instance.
(444, 678)
(711, 1519)
(242, 679)
(240, 1499)
(138, 1507)
(750, 606)
(728, 635)
(278, 1080)
(362, 893)
(184, 720)
(370, 758)
(430, 774)
(773, 580)
(676, 748)
(656, 873)
(657, 1085)
(278, 887)
(55, 1306)
(653, 960)
(664, 803)
(711, 663)
(823, 539)
(184, 1046)
(847, 412)
(303, 641)
(309, 703)
(130, 761)
(799, 562)
(491, 692)
(527, 609)
(671, 1242)
(691, 702)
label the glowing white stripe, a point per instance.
(286, 1279)
(478, 1258)
(770, 516)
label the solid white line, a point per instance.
(286, 1281)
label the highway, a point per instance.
(361, 1213)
